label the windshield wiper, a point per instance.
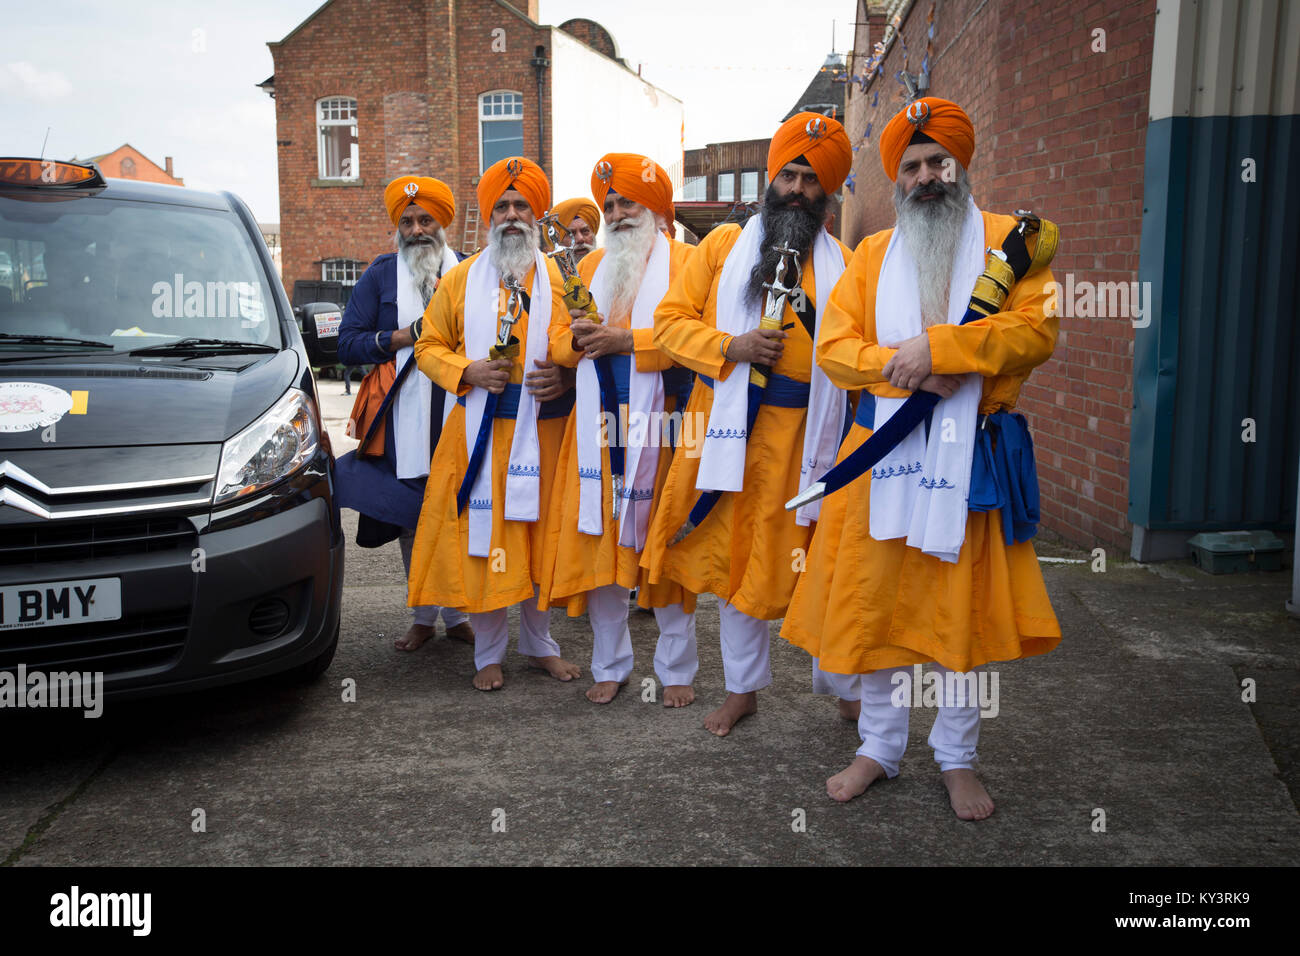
(205, 345)
(51, 340)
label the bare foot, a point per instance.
(969, 799)
(735, 707)
(557, 667)
(850, 709)
(679, 695)
(854, 779)
(602, 692)
(461, 632)
(490, 678)
(414, 638)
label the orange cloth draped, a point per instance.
(945, 122)
(442, 571)
(818, 138)
(864, 605)
(580, 208)
(517, 173)
(431, 195)
(747, 549)
(577, 562)
(637, 177)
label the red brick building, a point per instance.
(1060, 129)
(127, 162)
(366, 92)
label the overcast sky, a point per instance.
(178, 79)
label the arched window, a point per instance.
(337, 143)
(501, 126)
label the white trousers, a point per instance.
(746, 650)
(426, 614)
(492, 636)
(676, 660)
(611, 648)
(882, 724)
(843, 686)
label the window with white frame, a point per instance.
(336, 141)
(695, 189)
(501, 126)
(347, 271)
(726, 187)
(749, 185)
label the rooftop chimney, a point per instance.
(167, 163)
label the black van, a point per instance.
(167, 516)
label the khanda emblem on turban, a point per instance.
(918, 114)
(604, 171)
(514, 168)
(815, 128)
(411, 189)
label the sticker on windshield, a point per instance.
(26, 406)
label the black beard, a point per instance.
(784, 225)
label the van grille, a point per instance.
(93, 540)
(136, 642)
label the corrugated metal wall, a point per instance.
(1222, 254)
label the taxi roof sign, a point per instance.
(49, 173)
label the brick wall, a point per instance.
(417, 92)
(1059, 129)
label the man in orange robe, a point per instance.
(904, 570)
(581, 217)
(592, 557)
(478, 542)
(747, 548)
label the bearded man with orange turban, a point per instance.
(478, 545)
(720, 524)
(592, 548)
(379, 328)
(581, 217)
(926, 559)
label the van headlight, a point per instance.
(273, 447)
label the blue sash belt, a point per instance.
(1004, 474)
(782, 392)
(508, 404)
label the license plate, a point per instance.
(327, 324)
(54, 603)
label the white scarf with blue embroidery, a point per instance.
(920, 489)
(484, 296)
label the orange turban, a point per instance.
(941, 120)
(819, 139)
(637, 177)
(519, 174)
(428, 193)
(579, 208)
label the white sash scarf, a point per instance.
(921, 488)
(645, 396)
(411, 404)
(722, 459)
(523, 478)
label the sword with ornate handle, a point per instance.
(778, 290)
(505, 347)
(578, 298)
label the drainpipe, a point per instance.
(540, 63)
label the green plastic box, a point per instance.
(1232, 552)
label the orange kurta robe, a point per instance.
(442, 571)
(747, 549)
(577, 562)
(864, 605)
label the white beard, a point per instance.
(514, 255)
(627, 252)
(424, 260)
(932, 230)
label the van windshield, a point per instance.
(127, 274)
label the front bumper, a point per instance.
(204, 602)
